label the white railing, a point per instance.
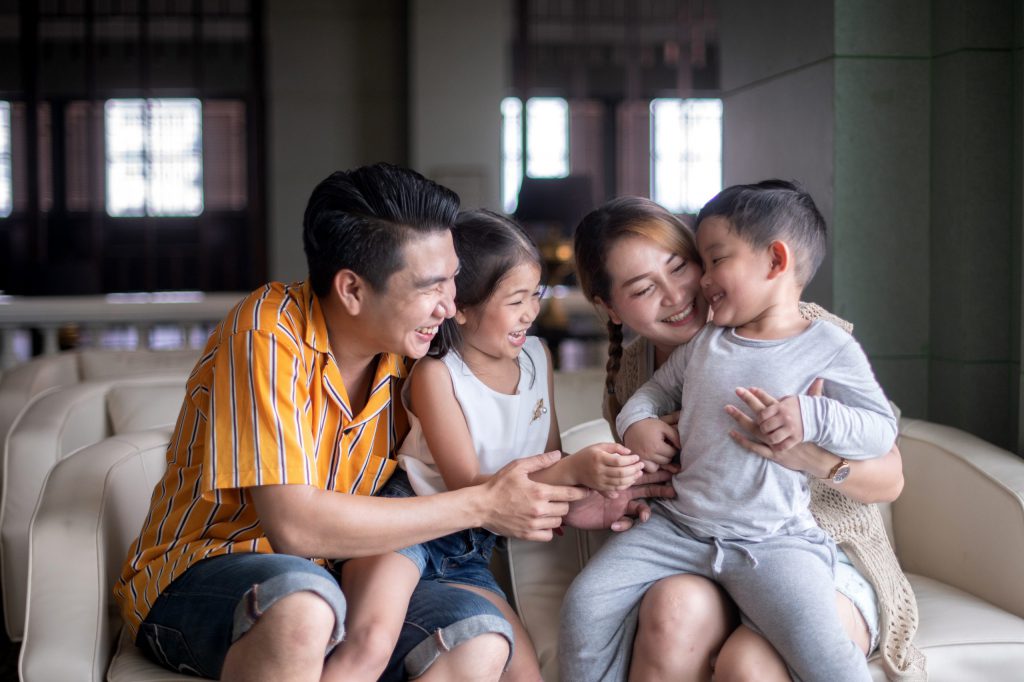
(134, 318)
(182, 319)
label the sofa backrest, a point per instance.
(91, 509)
(53, 426)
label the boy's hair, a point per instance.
(360, 220)
(489, 245)
(774, 210)
(595, 236)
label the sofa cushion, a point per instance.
(963, 637)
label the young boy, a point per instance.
(738, 519)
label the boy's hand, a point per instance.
(779, 424)
(656, 442)
(606, 467)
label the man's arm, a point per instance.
(306, 521)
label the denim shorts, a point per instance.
(204, 611)
(855, 587)
(462, 558)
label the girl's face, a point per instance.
(497, 328)
(655, 292)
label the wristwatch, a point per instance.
(839, 472)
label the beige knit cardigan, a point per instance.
(857, 528)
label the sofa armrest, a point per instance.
(91, 508)
(960, 519)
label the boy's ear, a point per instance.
(351, 290)
(601, 305)
(781, 258)
(460, 317)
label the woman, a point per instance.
(638, 263)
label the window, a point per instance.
(686, 152)
(547, 143)
(154, 157)
(6, 191)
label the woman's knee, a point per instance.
(749, 657)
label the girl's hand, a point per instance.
(606, 467)
(619, 514)
(656, 442)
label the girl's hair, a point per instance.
(598, 232)
(489, 246)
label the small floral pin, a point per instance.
(539, 410)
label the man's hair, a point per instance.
(773, 210)
(359, 220)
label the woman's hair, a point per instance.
(598, 232)
(489, 246)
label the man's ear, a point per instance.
(781, 258)
(350, 290)
(607, 309)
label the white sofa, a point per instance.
(20, 384)
(53, 425)
(958, 529)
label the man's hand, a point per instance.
(516, 506)
(596, 512)
(655, 441)
(605, 467)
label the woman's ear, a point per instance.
(350, 290)
(781, 258)
(606, 309)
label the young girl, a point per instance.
(480, 400)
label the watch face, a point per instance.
(841, 474)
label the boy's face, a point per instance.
(735, 275)
(405, 316)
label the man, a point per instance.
(288, 428)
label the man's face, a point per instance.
(405, 316)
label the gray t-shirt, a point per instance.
(725, 491)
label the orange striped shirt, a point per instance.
(265, 404)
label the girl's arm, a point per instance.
(432, 400)
(605, 466)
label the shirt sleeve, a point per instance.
(660, 395)
(259, 431)
(853, 419)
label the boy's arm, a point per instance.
(855, 420)
(659, 395)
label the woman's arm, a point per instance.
(874, 480)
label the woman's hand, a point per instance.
(873, 480)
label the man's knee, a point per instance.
(301, 622)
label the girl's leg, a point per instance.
(377, 590)
(747, 656)
(524, 666)
(683, 622)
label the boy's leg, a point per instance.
(789, 597)
(222, 605)
(377, 590)
(599, 613)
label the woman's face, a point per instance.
(655, 292)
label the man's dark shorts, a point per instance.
(206, 609)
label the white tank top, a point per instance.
(503, 427)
